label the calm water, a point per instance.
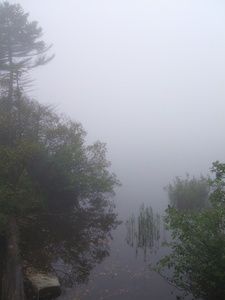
(124, 272)
(123, 275)
(91, 257)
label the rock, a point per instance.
(42, 286)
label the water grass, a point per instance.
(144, 231)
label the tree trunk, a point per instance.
(12, 287)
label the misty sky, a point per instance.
(146, 77)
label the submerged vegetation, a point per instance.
(144, 232)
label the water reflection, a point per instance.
(143, 232)
(78, 248)
(2, 258)
(68, 245)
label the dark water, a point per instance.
(124, 274)
(92, 257)
(2, 259)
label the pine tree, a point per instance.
(20, 48)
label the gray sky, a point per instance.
(146, 77)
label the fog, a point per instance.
(146, 77)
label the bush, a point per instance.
(197, 256)
(189, 194)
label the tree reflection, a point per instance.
(67, 245)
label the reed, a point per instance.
(143, 231)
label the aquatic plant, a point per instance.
(144, 230)
(130, 225)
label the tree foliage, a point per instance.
(189, 193)
(20, 47)
(45, 162)
(218, 183)
(197, 256)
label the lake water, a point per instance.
(124, 273)
(90, 254)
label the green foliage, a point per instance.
(197, 256)
(218, 183)
(16, 187)
(189, 193)
(20, 47)
(44, 162)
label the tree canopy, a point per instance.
(21, 48)
(45, 162)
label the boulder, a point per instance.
(42, 286)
